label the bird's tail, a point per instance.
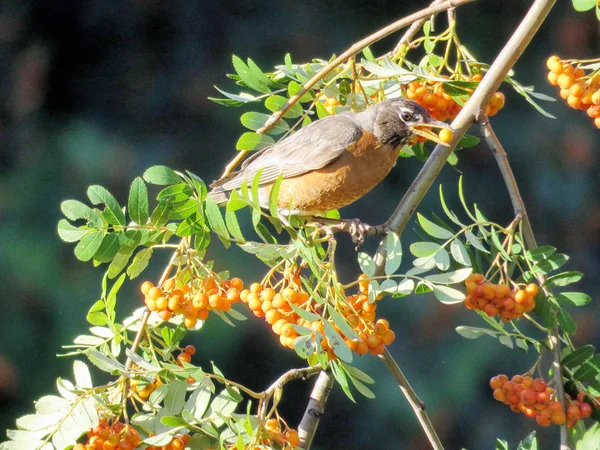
(220, 196)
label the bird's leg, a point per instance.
(357, 229)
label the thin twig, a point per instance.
(415, 402)
(315, 409)
(410, 33)
(353, 50)
(529, 238)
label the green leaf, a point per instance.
(215, 219)
(583, 5)
(111, 243)
(304, 346)
(473, 332)
(475, 242)
(113, 213)
(340, 377)
(276, 102)
(253, 141)
(459, 253)
(83, 379)
(140, 262)
(88, 246)
(540, 253)
(566, 322)
(423, 249)
(366, 263)
(360, 387)
(442, 259)
(161, 175)
(337, 344)
(274, 195)
(449, 213)
(588, 370)
(433, 229)
(563, 279)
(294, 88)
(175, 398)
(341, 323)
(522, 344)
(552, 263)
(175, 193)
(255, 120)
(450, 277)
(501, 444)
(529, 443)
(249, 77)
(160, 215)
(68, 232)
(393, 256)
(321, 111)
(236, 202)
(447, 295)
(74, 209)
(233, 226)
(572, 299)
(138, 201)
(467, 141)
(118, 263)
(98, 318)
(506, 341)
(578, 357)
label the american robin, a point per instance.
(333, 161)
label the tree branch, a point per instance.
(315, 409)
(417, 405)
(529, 238)
(412, 30)
(353, 50)
(511, 52)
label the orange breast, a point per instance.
(360, 168)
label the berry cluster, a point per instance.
(118, 436)
(580, 91)
(276, 308)
(143, 389)
(193, 300)
(534, 398)
(499, 299)
(440, 104)
(288, 439)
(328, 102)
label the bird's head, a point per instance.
(398, 120)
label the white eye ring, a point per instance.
(406, 115)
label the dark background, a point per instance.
(95, 92)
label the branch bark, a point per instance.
(315, 409)
(529, 238)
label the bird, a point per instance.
(334, 161)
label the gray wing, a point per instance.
(311, 148)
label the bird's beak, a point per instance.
(425, 130)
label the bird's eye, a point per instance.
(406, 115)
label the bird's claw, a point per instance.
(357, 230)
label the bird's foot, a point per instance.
(354, 227)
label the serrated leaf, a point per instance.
(255, 120)
(563, 279)
(433, 229)
(573, 299)
(83, 379)
(74, 210)
(140, 262)
(459, 253)
(137, 204)
(588, 370)
(118, 263)
(540, 253)
(566, 322)
(113, 213)
(578, 357)
(506, 341)
(111, 243)
(249, 77)
(393, 256)
(424, 249)
(88, 246)
(550, 264)
(68, 232)
(450, 277)
(276, 102)
(447, 295)
(161, 175)
(215, 219)
(233, 226)
(104, 362)
(294, 88)
(473, 332)
(253, 141)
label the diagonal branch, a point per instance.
(499, 69)
(355, 49)
(315, 409)
(530, 242)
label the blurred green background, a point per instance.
(94, 92)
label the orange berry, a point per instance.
(573, 412)
(256, 288)
(528, 397)
(446, 135)
(361, 348)
(237, 283)
(564, 93)
(165, 314)
(499, 395)
(573, 101)
(553, 78)
(539, 385)
(290, 295)
(233, 295)
(552, 61)
(162, 303)
(532, 289)
(496, 383)
(184, 357)
(558, 417)
(521, 296)
(173, 303)
(490, 310)
(268, 294)
(190, 350)
(150, 304)
(146, 286)
(543, 421)
(200, 300)
(586, 410)
(272, 316)
(154, 293)
(565, 80)
(244, 295)
(577, 90)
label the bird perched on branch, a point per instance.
(333, 161)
